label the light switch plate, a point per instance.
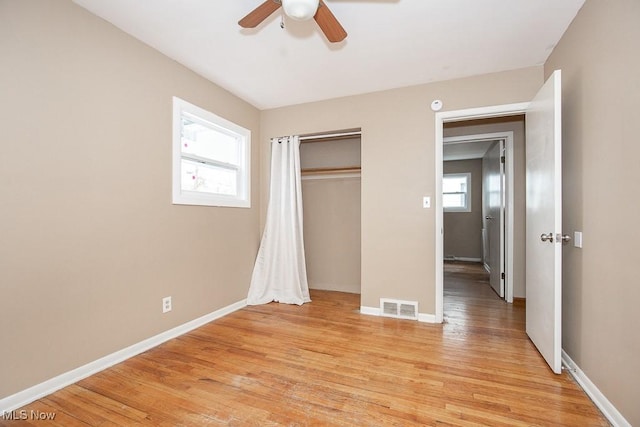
(426, 202)
(577, 239)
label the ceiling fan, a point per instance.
(300, 10)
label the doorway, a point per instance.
(543, 202)
(485, 231)
(460, 120)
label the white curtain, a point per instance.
(280, 272)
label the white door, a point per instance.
(493, 191)
(544, 221)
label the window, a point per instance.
(456, 192)
(211, 159)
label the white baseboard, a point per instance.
(371, 311)
(375, 311)
(24, 397)
(607, 408)
(427, 318)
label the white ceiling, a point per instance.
(391, 43)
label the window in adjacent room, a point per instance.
(211, 158)
(456, 192)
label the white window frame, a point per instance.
(467, 207)
(182, 197)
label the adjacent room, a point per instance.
(145, 264)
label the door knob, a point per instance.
(547, 237)
(564, 238)
(488, 217)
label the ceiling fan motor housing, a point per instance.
(300, 10)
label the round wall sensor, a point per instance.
(436, 105)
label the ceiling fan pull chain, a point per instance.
(282, 21)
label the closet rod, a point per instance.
(315, 137)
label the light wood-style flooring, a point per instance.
(325, 364)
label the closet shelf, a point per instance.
(330, 171)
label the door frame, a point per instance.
(440, 119)
(506, 242)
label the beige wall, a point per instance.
(463, 230)
(600, 66)
(398, 161)
(332, 233)
(516, 125)
(330, 154)
(89, 239)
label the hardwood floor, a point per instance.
(325, 364)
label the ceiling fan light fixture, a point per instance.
(300, 10)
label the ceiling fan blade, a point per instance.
(259, 14)
(329, 24)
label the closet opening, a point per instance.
(330, 164)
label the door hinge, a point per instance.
(503, 159)
(502, 276)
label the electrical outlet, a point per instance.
(166, 304)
